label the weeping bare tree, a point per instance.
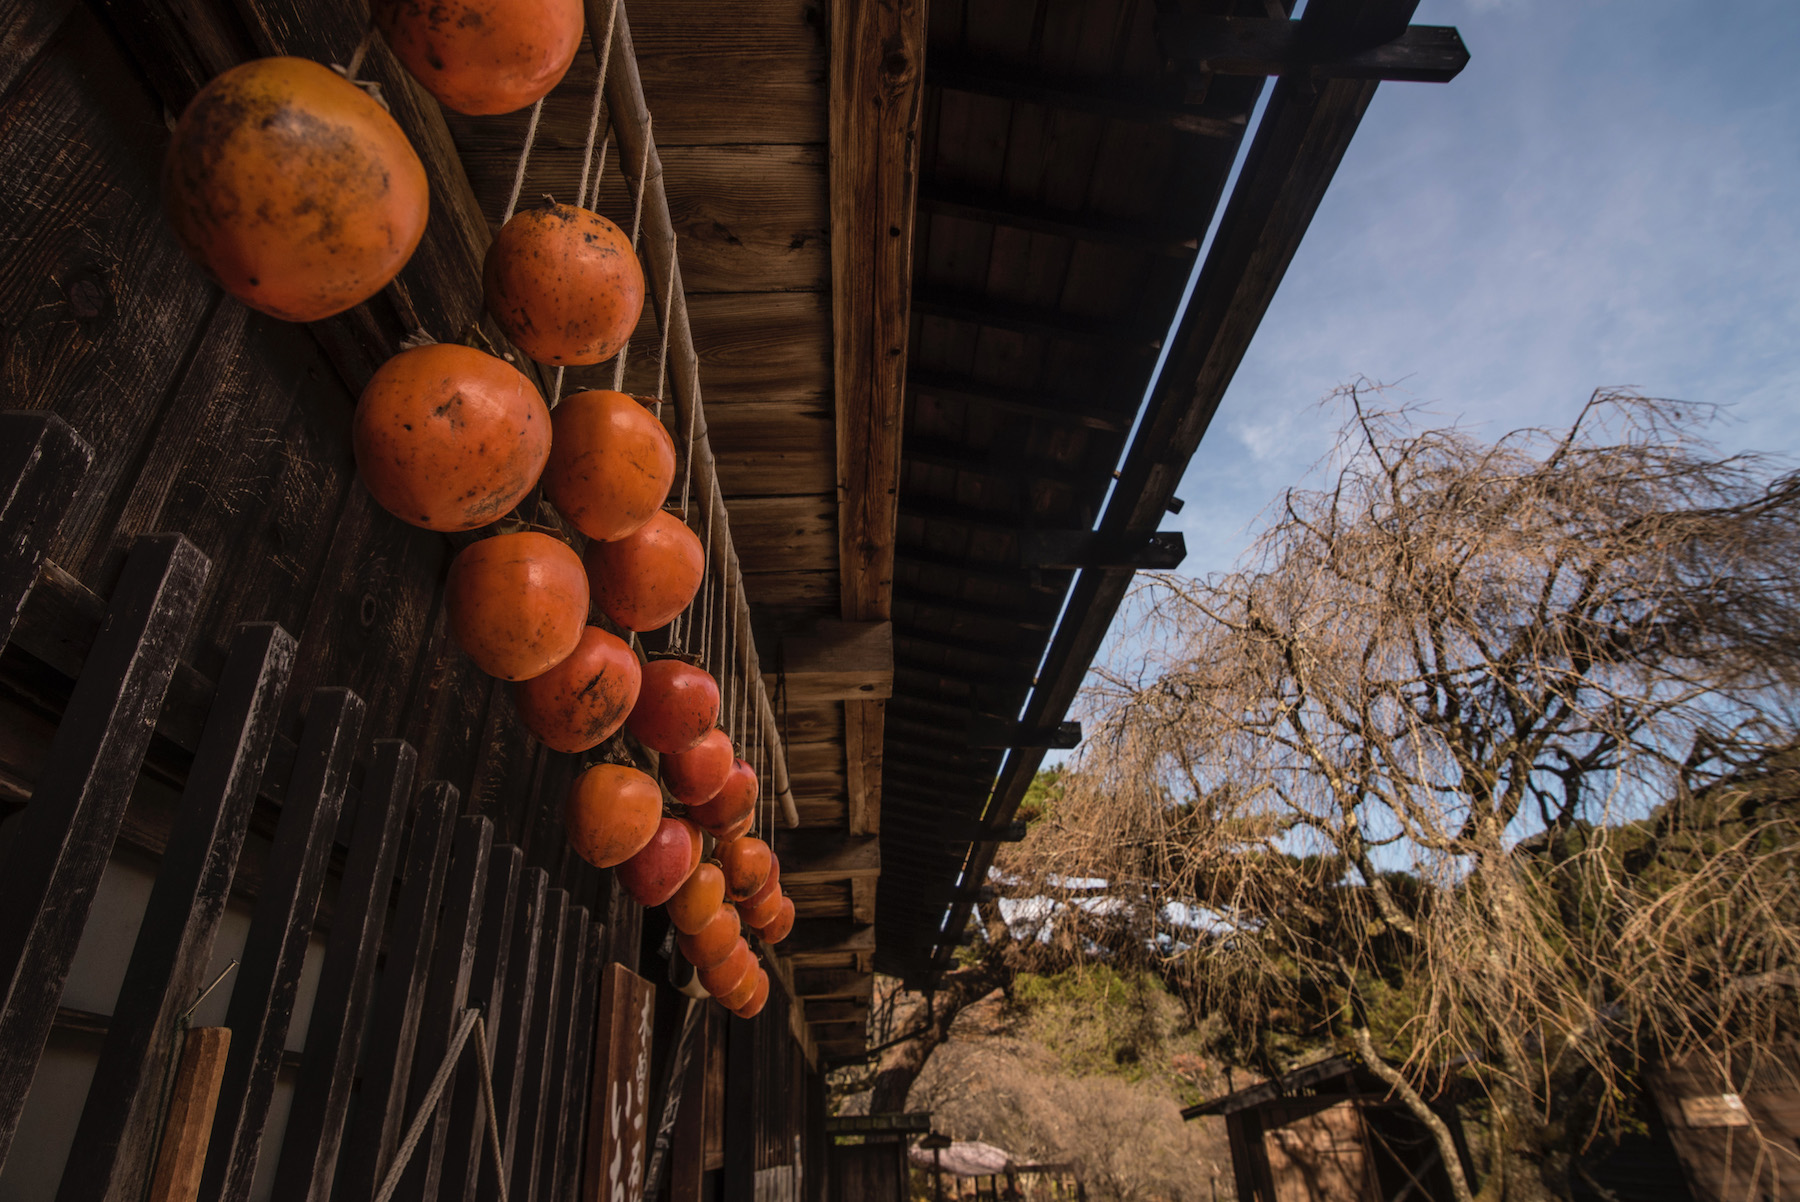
(1481, 765)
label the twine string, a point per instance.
(637, 226)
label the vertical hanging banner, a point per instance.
(619, 1104)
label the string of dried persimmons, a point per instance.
(456, 438)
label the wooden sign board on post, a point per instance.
(619, 1101)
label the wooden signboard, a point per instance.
(619, 1106)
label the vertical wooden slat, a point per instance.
(268, 978)
(687, 1165)
(204, 1056)
(581, 1050)
(624, 923)
(515, 1022)
(446, 996)
(315, 1126)
(115, 1141)
(528, 1142)
(53, 865)
(42, 463)
(666, 1108)
(556, 1084)
(394, 1025)
(467, 1144)
(740, 1111)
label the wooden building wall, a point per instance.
(232, 429)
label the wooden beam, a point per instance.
(992, 208)
(835, 660)
(1022, 402)
(862, 899)
(187, 1129)
(828, 937)
(836, 1012)
(1105, 99)
(877, 52)
(1260, 46)
(865, 724)
(1035, 319)
(833, 983)
(810, 857)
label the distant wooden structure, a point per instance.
(1327, 1132)
(1736, 1139)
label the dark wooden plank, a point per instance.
(205, 1052)
(42, 463)
(1044, 406)
(467, 1145)
(535, 1100)
(740, 1111)
(671, 1093)
(1105, 98)
(581, 1053)
(1261, 46)
(514, 1038)
(687, 1172)
(315, 1125)
(393, 1026)
(53, 863)
(446, 995)
(555, 1118)
(995, 209)
(268, 977)
(115, 1141)
(24, 31)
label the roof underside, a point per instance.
(1067, 176)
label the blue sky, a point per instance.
(1609, 194)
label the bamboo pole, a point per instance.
(630, 117)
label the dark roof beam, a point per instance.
(1133, 233)
(1100, 98)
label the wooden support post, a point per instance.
(834, 660)
(268, 978)
(114, 1143)
(809, 857)
(687, 1175)
(188, 1127)
(534, 1098)
(740, 1111)
(52, 867)
(42, 464)
(555, 1116)
(445, 999)
(515, 1021)
(394, 1023)
(315, 1126)
(468, 1144)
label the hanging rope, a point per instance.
(662, 358)
(471, 1024)
(512, 201)
(361, 52)
(637, 225)
(581, 196)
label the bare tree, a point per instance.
(1478, 761)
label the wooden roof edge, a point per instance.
(1294, 153)
(1303, 1077)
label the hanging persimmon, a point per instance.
(738, 829)
(696, 839)
(564, 284)
(728, 973)
(483, 57)
(450, 438)
(782, 925)
(700, 897)
(294, 189)
(643, 580)
(759, 910)
(735, 799)
(738, 996)
(676, 706)
(715, 939)
(582, 701)
(759, 997)
(660, 866)
(695, 776)
(746, 863)
(612, 812)
(518, 603)
(612, 465)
